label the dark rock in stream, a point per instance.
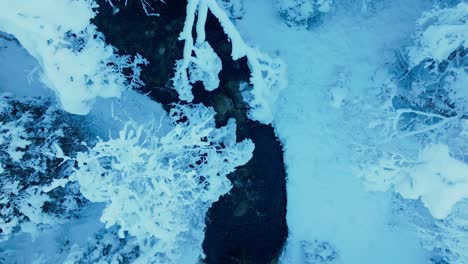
(247, 225)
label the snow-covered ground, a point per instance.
(327, 65)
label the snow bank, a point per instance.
(19, 70)
(331, 217)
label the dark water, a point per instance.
(247, 225)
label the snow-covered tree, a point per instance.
(158, 189)
(35, 149)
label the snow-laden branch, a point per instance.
(267, 74)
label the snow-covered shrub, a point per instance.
(319, 252)
(410, 133)
(416, 152)
(438, 60)
(268, 75)
(419, 149)
(158, 189)
(75, 62)
(35, 146)
(437, 87)
(442, 30)
(303, 13)
(105, 247)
